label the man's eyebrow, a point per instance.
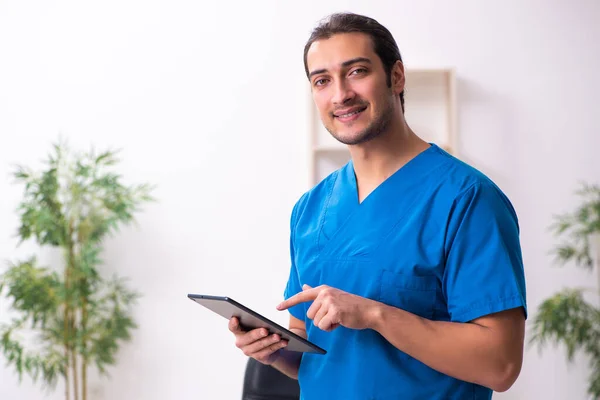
(344, 64)
(355, 60)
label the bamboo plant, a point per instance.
(78, 317)
(569, 317)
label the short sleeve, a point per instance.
(484, 268)
(293, 285)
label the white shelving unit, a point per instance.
(430, 110)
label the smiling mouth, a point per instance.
(350, 114)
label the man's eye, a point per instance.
(320, 82)
(359, 71)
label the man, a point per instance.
(406, 262)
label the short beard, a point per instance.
(375, 129)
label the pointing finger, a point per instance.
(307, 295)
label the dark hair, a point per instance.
(383, 42)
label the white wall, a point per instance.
(207, 102)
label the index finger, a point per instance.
(302, 297)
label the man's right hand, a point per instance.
(257, 343)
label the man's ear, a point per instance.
(397, 77)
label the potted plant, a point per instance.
(79, 317)
(568, 317)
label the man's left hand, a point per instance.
(333, 307)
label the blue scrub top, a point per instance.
(437, 239)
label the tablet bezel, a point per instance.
(273, 327)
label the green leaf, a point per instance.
(74, 203)
(567, 319)
(574, 229)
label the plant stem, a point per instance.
(66, 335)
(67, 383)
(66, 339)
(74, 364)
(84, 380)
(68, 325)
(84, 317)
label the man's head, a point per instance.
(356, 74)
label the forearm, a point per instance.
(288, 362)
(465, 351)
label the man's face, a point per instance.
(349, 87)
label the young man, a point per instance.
(406, 262)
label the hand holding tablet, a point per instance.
(257, 343)
(265, 335)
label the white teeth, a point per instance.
(349, 114)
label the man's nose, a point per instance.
(343, 93)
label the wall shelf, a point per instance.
(430, 110)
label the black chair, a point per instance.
(263, 382)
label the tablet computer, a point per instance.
(249, 319)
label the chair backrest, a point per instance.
(263, 382)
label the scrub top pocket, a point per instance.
(356, 276)
(413, 293)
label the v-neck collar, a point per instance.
(342, 205)
(414, 166)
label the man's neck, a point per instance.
(378, 159)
